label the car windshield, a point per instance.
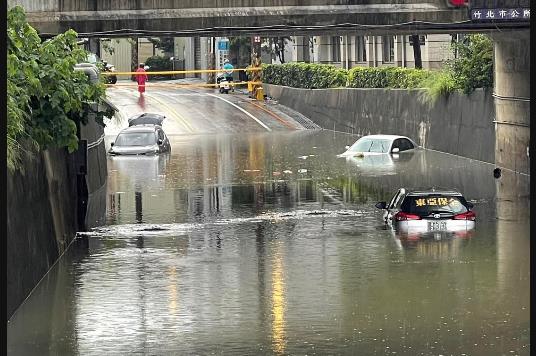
(371, 145)
(135, 139)
(428, 204)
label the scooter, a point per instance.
(225, 83)
(107, 67)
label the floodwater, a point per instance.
(268, 243)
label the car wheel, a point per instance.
(113, 79)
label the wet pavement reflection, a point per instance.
(267, 243)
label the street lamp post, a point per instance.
(172, 59)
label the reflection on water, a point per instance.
(270, 244)
(278, 306)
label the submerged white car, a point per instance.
(379, 144)
(428, 210)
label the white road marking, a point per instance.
(244, 111)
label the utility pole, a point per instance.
(133, 54)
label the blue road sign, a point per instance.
(223, 45)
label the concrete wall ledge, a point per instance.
(458, 124)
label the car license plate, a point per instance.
(437, 225)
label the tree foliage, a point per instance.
(473, 67)
(166, 44)
(275, 47)
(46, 97)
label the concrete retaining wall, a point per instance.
(460, 124)
(47, 204)
(41, 220)
(97, 174)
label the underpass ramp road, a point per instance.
(201, 111)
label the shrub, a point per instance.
(440, 84)
(158, 64)
(474, 66)
(304, 75)
(386, 77)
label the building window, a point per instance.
(388, 49)
(457, 38)
(336, 49)
(422, 40)
(360, 49)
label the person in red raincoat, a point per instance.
(141, 78)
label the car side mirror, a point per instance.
(160, 141)
(381, 205)
(470, 205)
(112, 144)
(395, 150)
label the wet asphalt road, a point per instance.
(254, 242)
(199, 111)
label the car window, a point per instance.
(371, 145)
(426, 204)
(135, 139)
(405, 144)
(396, 199)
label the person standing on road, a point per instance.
(141, 78)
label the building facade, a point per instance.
(370, 51)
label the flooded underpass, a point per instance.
(267, 243)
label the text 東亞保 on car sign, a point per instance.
(428, 210)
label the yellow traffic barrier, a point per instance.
(254, 87)
(171, 72)
(156, 85)
(259, 93)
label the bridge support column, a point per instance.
(94, 46)
(512, 99)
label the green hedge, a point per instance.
(317, 76)
(304, 75)
(387, 77)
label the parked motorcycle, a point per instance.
(110, 68)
